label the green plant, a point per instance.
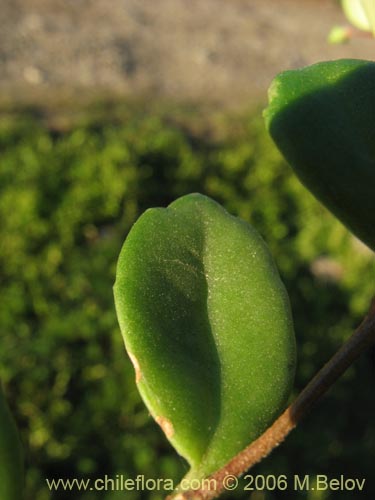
(68, 197)
(304, 110)
(322, 120)
(207, 325)
(361, 15)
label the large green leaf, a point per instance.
(11, 464)
(206, 322)
(322, 118)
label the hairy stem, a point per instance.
(360, 340)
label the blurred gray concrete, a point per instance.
(224, 50)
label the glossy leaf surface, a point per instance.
(322, 119)
(11, 463)
(207, 324)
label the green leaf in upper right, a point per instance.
(322, 118)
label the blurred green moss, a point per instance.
(68, 197)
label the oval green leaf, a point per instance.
(11, 463)
(322, 118)
(206, 322)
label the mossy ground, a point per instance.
(72, 183)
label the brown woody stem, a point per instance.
(360, 340)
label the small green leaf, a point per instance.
(338, 35)
(361, 13)
(322, 119)
(11, 463)
(206, 322)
